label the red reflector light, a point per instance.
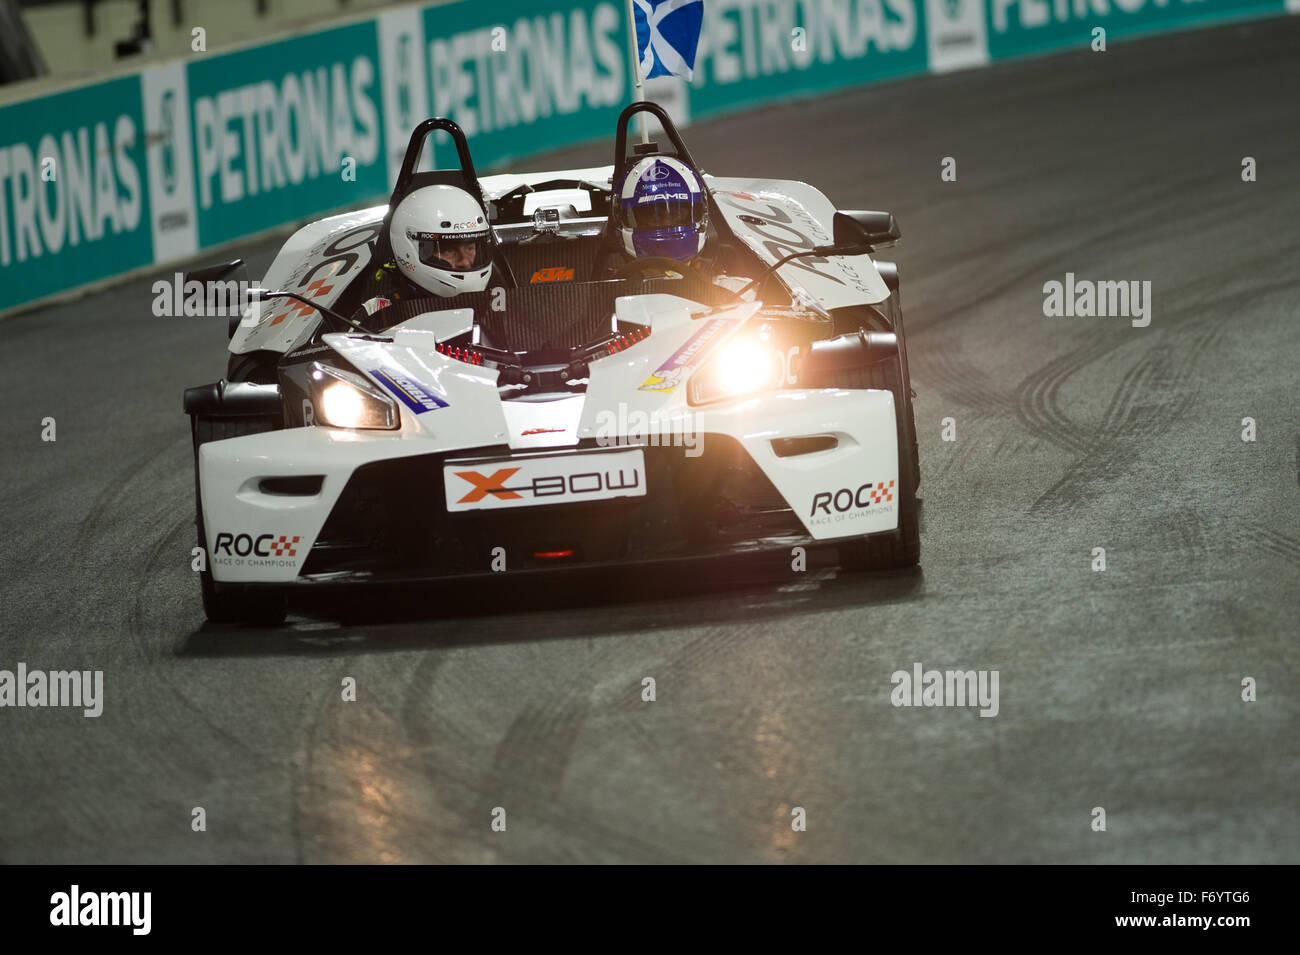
(552, 554)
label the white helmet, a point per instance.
(441, 242)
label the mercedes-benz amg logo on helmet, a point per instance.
(662, 209)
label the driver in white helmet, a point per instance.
(441, 246)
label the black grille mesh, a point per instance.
(391, 517)
(559, 315)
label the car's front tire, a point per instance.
(256, 367)
(230, 606)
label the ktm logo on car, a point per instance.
(556, 274)
(484, 485)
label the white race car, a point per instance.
(561, 417)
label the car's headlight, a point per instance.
(737, 369)
(345, 400)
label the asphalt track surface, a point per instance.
(1119, 689)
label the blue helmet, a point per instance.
(661, 210)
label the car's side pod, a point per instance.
(233, 399)
(828, 359)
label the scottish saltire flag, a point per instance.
(667, 34)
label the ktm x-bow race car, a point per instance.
(570, 414)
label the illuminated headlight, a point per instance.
(739, 368)
(345, 400)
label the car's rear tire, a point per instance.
(226, 606)
(902, 548)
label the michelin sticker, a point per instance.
(409, 391)
(670, 374)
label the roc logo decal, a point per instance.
(847, 499)
(256, 550)
(284, 545)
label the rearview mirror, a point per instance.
(855, 233)
(229, 280)
(221, 272)
(877, 230)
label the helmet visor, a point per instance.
(662, 212)
(455, 253)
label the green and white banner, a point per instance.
(159, 165)
(284, 130)
(1016, 27)
(74, 207)
(753, 52)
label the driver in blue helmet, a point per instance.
(661, 211)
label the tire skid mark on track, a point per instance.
(1194, 534)
(302, 783)
(959, 380)
(539, 742)
(1183, 531)
(122, 486)
(716, 645)
(1125, 422)
(1046, 264)
(153, 568)
(1151, 398)
(419, 688)
(358, 785)
(1039, 410)
(519, 780)
(349, 792)
(1223, 291)
(1297, 458)
(610, 839)
(108, 554)
(973, 438)
(138, 631)
(1273, 541)
(167, 676)
(1037, 396)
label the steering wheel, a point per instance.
(654, 267)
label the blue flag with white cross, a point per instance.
(667, 35)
